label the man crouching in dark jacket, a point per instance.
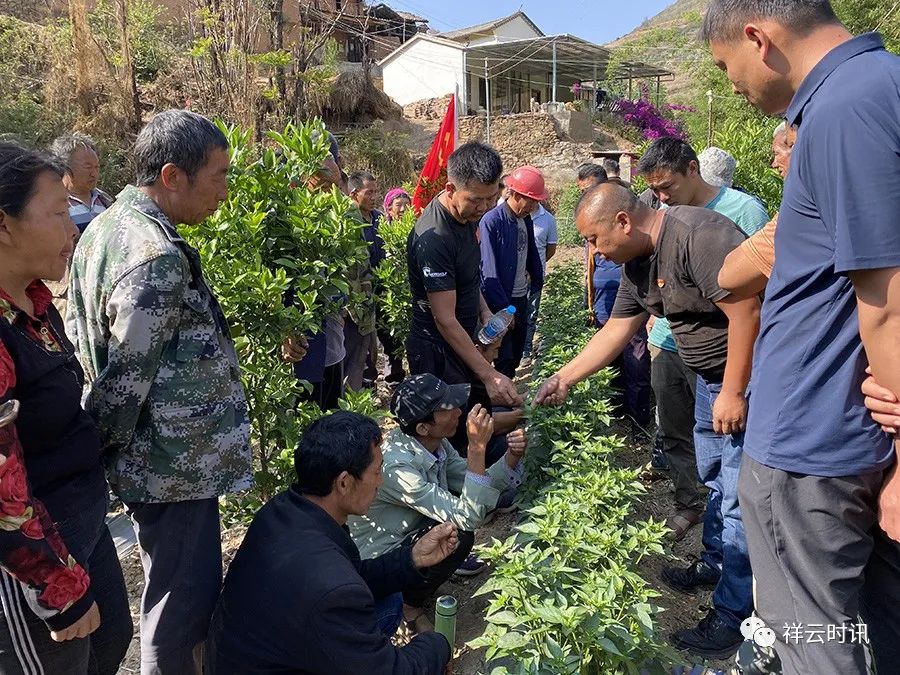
(297, 597)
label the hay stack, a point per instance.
(354, 98)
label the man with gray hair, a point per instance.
(164, 385)
(819, 485)
(78, 153)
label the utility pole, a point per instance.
(487, 95)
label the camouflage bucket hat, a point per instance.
(420, 395)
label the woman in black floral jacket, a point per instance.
(64, 605)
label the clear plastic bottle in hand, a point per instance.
(495, 327)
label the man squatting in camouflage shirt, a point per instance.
(164, 384)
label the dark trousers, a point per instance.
(181, 553)
(632, 384)
(674, 386)
(534, 309)
(329, 390)
(426, 356)
(821, 562)
(513, 345)
(393, 357)
(419, 593)
(358, 348)
(25, 643)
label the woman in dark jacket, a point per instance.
(64, 605)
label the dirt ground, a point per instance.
(680, 611)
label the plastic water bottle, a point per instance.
(445, 618)
(495, 327)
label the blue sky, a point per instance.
(599, 21)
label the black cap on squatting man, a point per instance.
(419, 396)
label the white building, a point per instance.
(503, 63)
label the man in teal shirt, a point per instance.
(672, 171)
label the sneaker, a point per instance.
(689, 579)
(471, 566)
(507, 502)
(712, 638)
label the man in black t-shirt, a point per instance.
(444, 263)
(671, 261)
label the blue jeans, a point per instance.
(724, 542)
(389, 612)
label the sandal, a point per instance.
(682, 521)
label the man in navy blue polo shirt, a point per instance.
(818, 489)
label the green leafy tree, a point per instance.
(393, 297)
(275, 239)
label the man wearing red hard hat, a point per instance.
(511, 265)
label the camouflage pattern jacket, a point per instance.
(162, 374)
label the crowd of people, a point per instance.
(773, 378)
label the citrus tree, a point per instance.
(278, 256)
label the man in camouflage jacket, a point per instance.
(164, 383)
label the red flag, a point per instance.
(434, 174)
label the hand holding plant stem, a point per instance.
(502, 390)
(553, 392)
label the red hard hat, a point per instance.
(528, 181)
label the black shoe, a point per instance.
(690, 579)
(712, 638)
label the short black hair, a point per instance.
(725, 19)
(611, 166)
(178, 137)
(341, 441)
(19, 171)
(410, 428)
(595, 171)
(671, 154)
(474, 162)
(358, 179)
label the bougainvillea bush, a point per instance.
(650, 121)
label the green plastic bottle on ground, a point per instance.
(445, 618)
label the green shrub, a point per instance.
(394, 298)
(750, 143)
(565, 217)
(273, 238)
(380, 151)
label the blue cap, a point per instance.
(511, 309)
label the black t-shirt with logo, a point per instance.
(442, 254)
(680, 282)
